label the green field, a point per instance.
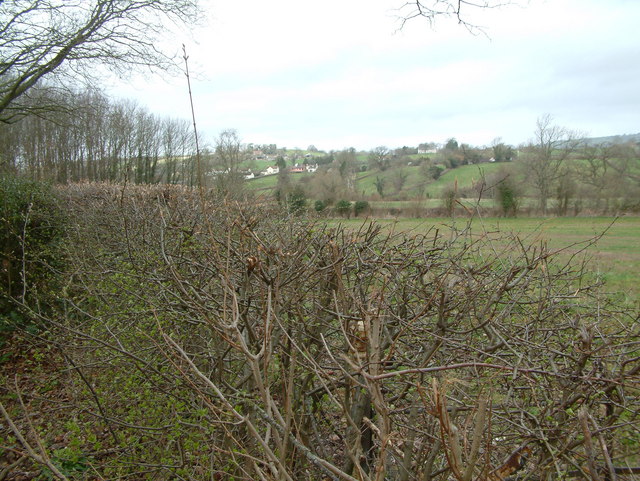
(466, 177)
(265, 182)
(415, 185)
(614, 257)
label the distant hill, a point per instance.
(614, 139)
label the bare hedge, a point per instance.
(214, 340)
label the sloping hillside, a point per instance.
(415, 183)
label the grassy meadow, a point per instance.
(614, 257)
(466, 176)
(415, 184)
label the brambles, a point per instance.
(224, 341)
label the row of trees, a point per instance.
(566, 173)
(90, 137)
(451, 154)
(48, 129)
(560, 164)
(558, 171)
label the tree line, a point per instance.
(558, 171)
(564, 173)
(90, 137)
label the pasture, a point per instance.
(414, 185)
(611, 246)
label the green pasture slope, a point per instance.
(266, 184)
(466, 176)
(415, 184)
(614, 257)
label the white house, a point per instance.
(272, 169)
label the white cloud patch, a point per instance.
(337, 74)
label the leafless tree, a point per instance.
(399, 178)
(345, 163)
(147, 147)
(41, 39)
(228, 155)
(96, 139)
(380, 158)
(460, 10)
(328, 185)
(622, 158)
(595, 173)
(177, 144)
(544, 158)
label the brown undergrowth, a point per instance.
(202, 338)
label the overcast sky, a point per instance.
(338, 73)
